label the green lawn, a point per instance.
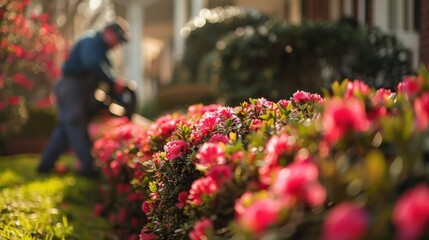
(36, 206)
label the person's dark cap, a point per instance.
(121, 28)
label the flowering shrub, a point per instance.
(27, 53)
(351, 165)
(116, 155)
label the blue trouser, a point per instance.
(74, 96)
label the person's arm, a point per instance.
(93, 59)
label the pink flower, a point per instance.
(300, 180)
(260, 215)
(147, 207)
(421, 108)
(284, 103)
(411, 213)
(211, 154)
(22, 80)
(314, 97)
(410, 86)
(98, 209)
(219, 138)
(276, 147)
(345, 222)
(381, 96)
(115, 167)
(220, 174)
(147, 236)
(342, 116)
(301, 97)
(208, 123)
(182, 196)
(14, 100)
(356, 88)
(206, 186)
(200, 230)
(175, 149)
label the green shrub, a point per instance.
(274, 60)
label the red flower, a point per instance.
(275, 148)
(300, 180)
(217, 138)
(410, 86)
(98, 209)
(14, 100)
(421, 108)
(115, 167)
(220, 174)
(208, 123)
(356, 88)
(147, 207)
(345, 222)
(211, 154)
(202, 187)
(260, 215)
(182, 196)
(199, 232)
(342, 116)
(411, 213)
(22, 80)
(175, 149)
(301, 97)
(147, 236)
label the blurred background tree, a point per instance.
(248, 54)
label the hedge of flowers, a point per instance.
(27, 55)
(351, 165)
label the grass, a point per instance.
(49, 206)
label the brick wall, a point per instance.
(317, 9)
(368, 16)
(424, 32)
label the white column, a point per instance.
(295, 11)
(348, 8)
(380, 14)
(179, 23)
(133, 66)
(361, 11)
(334, 9)
(196, 6)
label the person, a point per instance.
(82, 72)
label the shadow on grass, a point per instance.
(72, 197)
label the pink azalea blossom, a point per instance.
(182, 196)
(411, 213)
(284, 103)
(259, 216)
(356, 88)
(220, 174)
(175, 149)
(342, 116)
(208, 123)
(147, 236)
(211, 154)
(206, 186)
(421, 108)
(410, 86)
(219, 138)
(301, 97)
(275, 148)
(345, 222)
(147, 207)
(98, 210)
(115, 167)
(300, 180)
(199, 232)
